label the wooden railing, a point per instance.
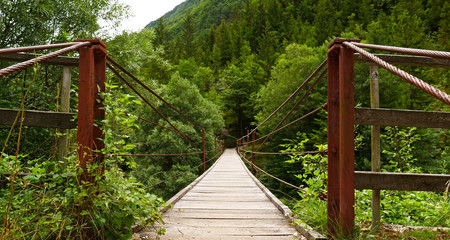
(342, 116)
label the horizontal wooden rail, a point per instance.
(406, 60)
(39, 119)
(405, 118)
(401, 181)
(19, 57)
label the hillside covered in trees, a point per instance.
(227, 65)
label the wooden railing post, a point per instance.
(65, 106)
(92, 74)
(375, 146)
(253, 152)
(204, 151)
(341, 154)
(215, 148)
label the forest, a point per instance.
(227, 65)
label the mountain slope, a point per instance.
(204, 12)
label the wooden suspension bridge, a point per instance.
(227, 202)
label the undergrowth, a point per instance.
(41, 199)
(397, 207)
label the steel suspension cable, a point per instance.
(148, 103)
(290, 97)
(161, 126)
(288, 153)
(43, 58)
(294, 107)
(159, 155)
(36, 48)
(151, 91)
(270, 175)
(433, 91)
(293, 122)
(177, 175)
(411, 51)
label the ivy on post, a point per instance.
(341, 155)
(92, 75)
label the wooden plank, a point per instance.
(238, 214)
(404, 118)
(406, 60)
(221, 206)
(224, 205)
(401, 181)
(39, 119)
(175, 232)
(229, 222)
(61, 61)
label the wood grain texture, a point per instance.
(225, 204)
(39, 119)
(401, 181)
(404, 118)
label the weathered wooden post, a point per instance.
(65, 105)
(204, 150)
(92, 75)
(375, 146)
(341, 154)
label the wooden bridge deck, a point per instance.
(226, 203)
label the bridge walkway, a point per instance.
(225, 203)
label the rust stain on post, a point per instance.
(346, 141)
(204, 150)
(333, 141)
(91, 79)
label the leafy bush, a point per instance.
(51, 202)
(397, 207)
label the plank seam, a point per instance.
(138, 227)
(301, 227)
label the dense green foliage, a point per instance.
(52, 202)
(226, 65)
(264, 50)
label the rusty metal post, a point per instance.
(341, 155)
(91, 80)
(204, 151)
(375, 146)
(253, 152)
(215, 148)
(333, 140)
(99, 111)
(346, 141)
(248, 135)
